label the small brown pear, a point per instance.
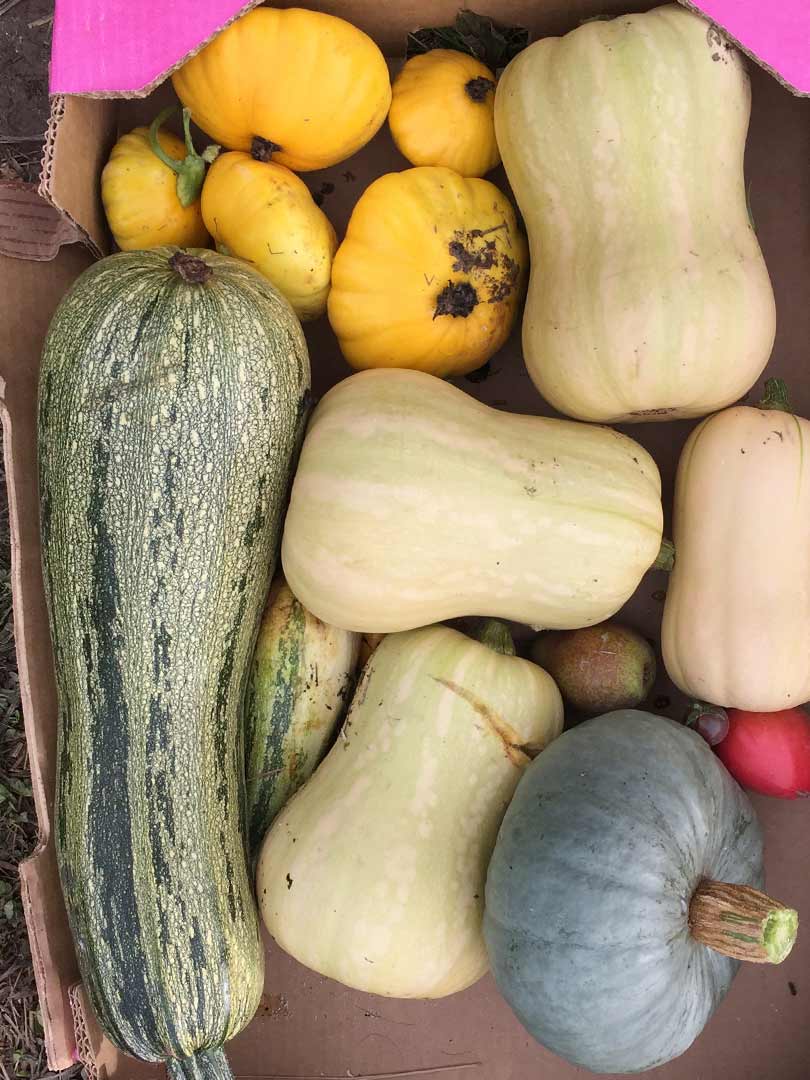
(598, 668)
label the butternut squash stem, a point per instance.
(776, 396)
(191, 170)
(665, 559)
(742, 922)
(496, 636)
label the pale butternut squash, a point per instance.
(373, 874)
(736, 628)
(413, 503)
(649, 298)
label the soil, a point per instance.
(25, 43)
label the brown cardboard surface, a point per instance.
(309, 1026)
(30, 292)
(79, 140)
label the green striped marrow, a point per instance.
(301, 684)
(172, 393)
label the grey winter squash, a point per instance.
(172, 390)
(623, 891)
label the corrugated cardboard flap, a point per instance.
(29, 292)
(30, 227)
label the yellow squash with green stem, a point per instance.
(150, 188)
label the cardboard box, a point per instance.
(307, 1025)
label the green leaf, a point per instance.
(477, 35)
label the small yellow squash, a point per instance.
(148, 200)
(263, 213)
(429, 275)
(442, 112)
(309, 86)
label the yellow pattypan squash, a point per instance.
(263, 213)
(442, 112)
(150, 188)
(310, 87)
(430, 273)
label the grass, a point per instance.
(22, 1053)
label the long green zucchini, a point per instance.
(301, 685)
(172, 393)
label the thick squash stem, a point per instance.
(191, 170)
(204, 1065)
(665, 559)
(495, 635)
(191, 268)
(776, 396)
(742, 922)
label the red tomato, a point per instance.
(767, 752)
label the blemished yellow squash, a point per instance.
(148, 201)
(442, 112)
(262, 212)
(308, 86)
(736, 629)
(623, 142)
(373, 874)
(429, 275)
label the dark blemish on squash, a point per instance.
(457, 298)
(501, 290)
(479, 374)
(289, 882)
(792, 989)
(741, 450)
(653, 412)
(467, 259)
(429, 280)
(367, 960)
(662, 702)
(779, 435)
(659, 595)
(530, 489)
(636, 460)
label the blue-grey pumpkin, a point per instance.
(610, 832)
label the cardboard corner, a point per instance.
(80, 135)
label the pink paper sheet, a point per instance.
(122, 47)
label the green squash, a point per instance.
(300, 687)
(172, 392)
(599, 916)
